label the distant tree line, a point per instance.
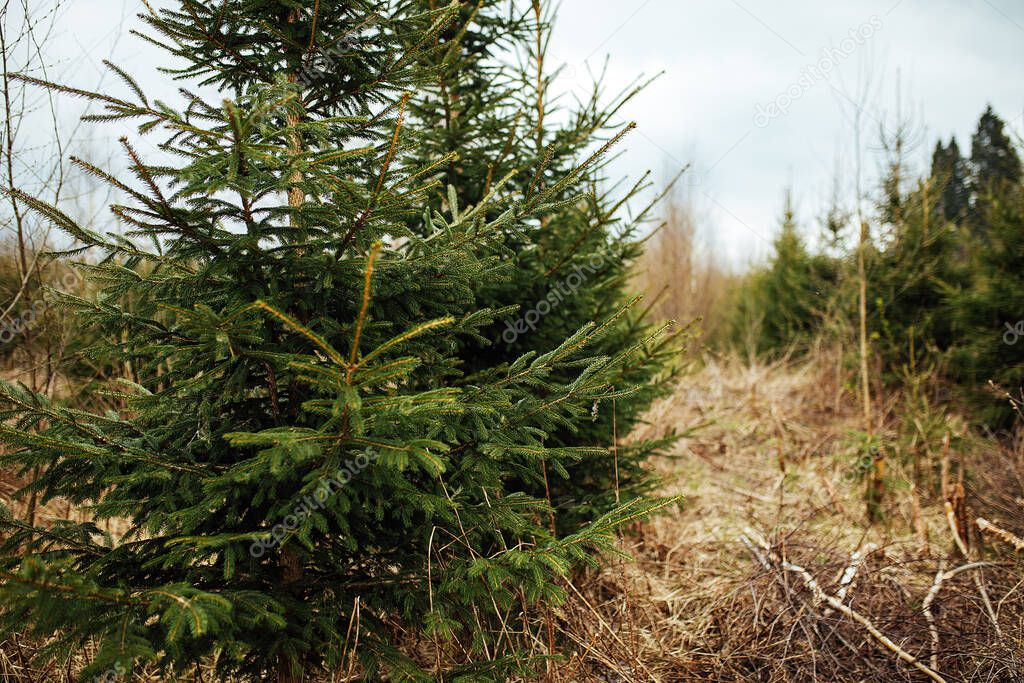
(945, 276)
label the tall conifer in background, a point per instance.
(319, 457)
(995, 167)
(950, 182)
(993, 155)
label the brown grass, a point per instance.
(777, 464)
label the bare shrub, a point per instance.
(681, 270)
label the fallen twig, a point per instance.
(1002, 534)
(857, 558)
(926, 606)
(957, 538)
(835, 603)
(962, 546)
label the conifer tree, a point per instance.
(950, 182)
(312, 470)
(993, 155)
(943, 285)
(914, 274)
(572, 265)
(987, 313)
(783, 303)
(995, 166)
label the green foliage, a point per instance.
(489, 122)
(950, 178)
(988, 314)
(780, 306)
(947, 285)
(927, 432)
(993, 157)
(995, 166)
(944, 277)
(323, 427)
(910, 279)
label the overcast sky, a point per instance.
(721, 59)
(757, 95)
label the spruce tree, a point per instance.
(781, 305)
(313, 472)
(914, 274)
(494, 119)
(993, 155)
(950, 181)
(995, 166)
(987, 314)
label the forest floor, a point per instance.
(769, 569)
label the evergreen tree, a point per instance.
(950, 178)
(782, 304)
(993, 155)
(499, 119)
(311, 467)
(987, 314)
(946, 281)
(994, 165)
(912, 277)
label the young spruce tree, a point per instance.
(987, 355)
(780, 306)
(916, 271)
(317, 457)
(493, 118)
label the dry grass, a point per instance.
(776, 466)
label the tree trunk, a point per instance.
(288, 670)
(876, 484)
